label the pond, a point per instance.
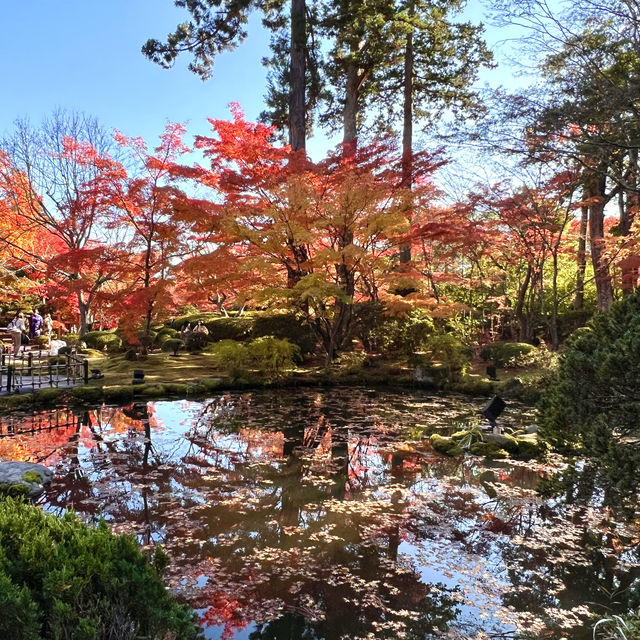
(326, 514)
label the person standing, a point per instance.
(47, 323)
(35, 324)
(16, 327)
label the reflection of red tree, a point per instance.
(226, 611)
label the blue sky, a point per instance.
(85, 55)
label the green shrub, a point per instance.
(42, 341)
(230, 328)
(448, 350)
(592, 399)
(71, 339)
(60, 578)
(503, 352)
(101, 339)
(273, 357)
(196, 341)
(172, 345)
(230, 356)
(63, 351)
(285, 326)
(164, 334)
(381, 332)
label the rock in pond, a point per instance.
(447, 446)
(23, 478)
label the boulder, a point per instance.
(444, 445)
(489, 449)
(24, 478)
(504, 440)
(532, 428)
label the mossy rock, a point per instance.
(445, 445)
(176, 389)
(16, 401)
(196, 390)
(503, 440)
(488, 449)
(86, 394)
(117, 393)
(49, 396)
(149, 390)
(530, 447)
(32, 476)
(211, 384)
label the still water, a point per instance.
(306, 515)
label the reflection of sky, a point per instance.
(215, 479)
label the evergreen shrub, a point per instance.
(172, 345)
(60, 578)
(592, 401)
(502, 353)
(101, 339)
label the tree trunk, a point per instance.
(297, 123)
(83, 311)
(350, 112)
(578, 301)
(553, 329)
(596, 194)
(629, 208)
(407, 135)
(519, 310)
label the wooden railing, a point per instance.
(36, 370)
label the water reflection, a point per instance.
(327, 515)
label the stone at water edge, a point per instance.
(11, 474)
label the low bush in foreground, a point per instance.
(60, 578)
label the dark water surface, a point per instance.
(325, 514)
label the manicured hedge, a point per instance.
(101, 339)
(502, 352)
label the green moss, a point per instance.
(489, 449)
(118, 392)
(444, 445)
(31, 476)
(530, 447)
(211, 384)
(86, 394)
(20, 400)
(48, 396)
(149, 390)
(176, 389)
(14, 490)
(196, 390)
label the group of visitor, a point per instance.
(24, 330)
(199, 328)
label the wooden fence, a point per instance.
(36, 370)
